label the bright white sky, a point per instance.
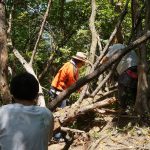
(69, 0)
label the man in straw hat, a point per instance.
(67, 75)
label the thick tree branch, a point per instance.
(41, 101)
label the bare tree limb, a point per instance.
(102, 83)
(103, 95)
(93, 45)
(99, 43)
(41, 101)
(51, 58)
(95, 41)
(71, 130)
(40, 33)
(97, 105)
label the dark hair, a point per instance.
(77, 61)
(24, 87)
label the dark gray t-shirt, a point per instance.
(129, 60)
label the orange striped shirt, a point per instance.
(66, 76)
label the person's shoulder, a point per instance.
(65, 65)
(47, 116)
(6, 109)
(117, 46)
(45, 111)
(8, 106)
(68, 63)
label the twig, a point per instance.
(10, 21)
(65, 129)
(107, 93)
(40, 33)
(118, 142)
(49, 62)
(105, 111)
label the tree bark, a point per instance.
(93, 31)
(147, 15)
(4, 88)
(141, 104)
(118, 38)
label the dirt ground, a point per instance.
(111, 133)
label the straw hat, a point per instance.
(80, 56)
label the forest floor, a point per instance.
(109, 132)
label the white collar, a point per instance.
(73, 63)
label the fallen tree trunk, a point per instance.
(70, 113)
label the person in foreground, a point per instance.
(23, 125)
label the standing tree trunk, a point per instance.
(93, 46)
(147, 15)
(93, 32)
(4, 89)
(141, 104)
(147, 24)
(118, 37)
